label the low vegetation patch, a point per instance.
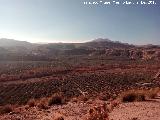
(153, 93)
(56, 99)
(98, 113)
(131, 97)
(138, 95)
(43, 103)
(6, 109)
(32, 103)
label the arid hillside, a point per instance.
(78, 81)
(21, 50)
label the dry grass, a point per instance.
(98, 113)
(43, 103)
(112, 105)
(153, 93)
(6, 109)
(138, 95)
(132, 96)
(56, 99)
(32, 103)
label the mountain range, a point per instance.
(13, 50)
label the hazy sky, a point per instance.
(72, 21)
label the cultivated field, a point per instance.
(93, 85)
(22, 81)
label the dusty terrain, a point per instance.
(98, 71)
(148, 110)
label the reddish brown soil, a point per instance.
(148, 110)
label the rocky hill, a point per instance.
(14, 50)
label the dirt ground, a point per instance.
(148, 110)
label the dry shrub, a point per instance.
(133, 95)
(43, 103)
(153, 93)
(6, 109)
(56, 99)
(98, 113)
(112, 105)
(139, 95)
(32, 103)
